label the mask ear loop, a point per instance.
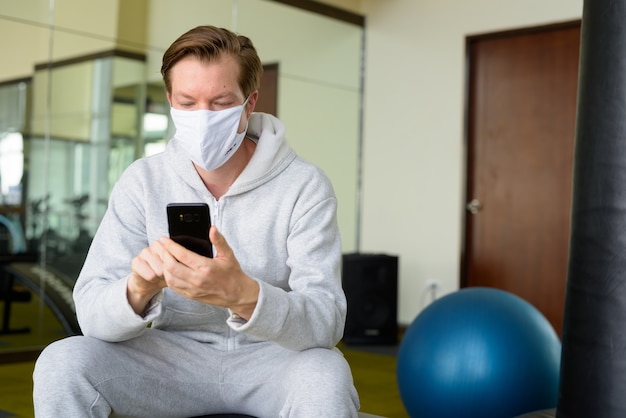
(247, 117)
(246, 102)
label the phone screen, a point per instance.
(189, 226)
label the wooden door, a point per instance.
(268, 90)
(521, 128)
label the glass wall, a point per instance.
(81, 98)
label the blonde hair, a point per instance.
(209, 43)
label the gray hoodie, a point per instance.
(279, 217)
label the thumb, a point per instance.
(219, 242)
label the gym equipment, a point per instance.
(53, 288)
(16, 234)
(478, 353)
(592, 375)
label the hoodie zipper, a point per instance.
(215, 219)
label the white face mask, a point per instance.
(209, 136)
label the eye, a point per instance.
(184, 101)
(224, 104)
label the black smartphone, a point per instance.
(189, 226)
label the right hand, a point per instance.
(146, 279)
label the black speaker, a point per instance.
(370, 282)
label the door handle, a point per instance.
(474, 206)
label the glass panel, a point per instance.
(13, 99)
(94, 132)
(157, 127)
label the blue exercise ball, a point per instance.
(478, 353)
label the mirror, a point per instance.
(82, 97)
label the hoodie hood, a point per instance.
(271, 156)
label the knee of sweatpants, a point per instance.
(319, 383)
(62, 359)
(321, 370)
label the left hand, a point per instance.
(217, 281)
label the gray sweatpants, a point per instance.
(162, 374)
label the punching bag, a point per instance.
(593, 361)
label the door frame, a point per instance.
(467, 120)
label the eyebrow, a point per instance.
(226, 95)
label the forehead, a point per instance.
(218, 76)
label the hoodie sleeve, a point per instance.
(312, 312)
(102, 307)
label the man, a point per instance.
(168, 332)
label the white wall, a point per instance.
(25, 36)
(414, 174)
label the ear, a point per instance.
(254, 96)
(169, 97)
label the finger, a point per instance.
(148, 264)
(154, 258)
(179, 263)
(143, 277)
(174, 252)
(142, 269)
(222, 248)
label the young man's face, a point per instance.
(208, 86)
